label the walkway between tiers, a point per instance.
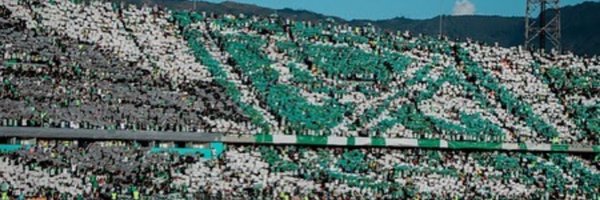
(94, 134)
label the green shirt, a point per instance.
(136, 195)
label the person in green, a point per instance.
(113, 195)
(95, 184)
(283, 196)
(136, 194)
(555, 140)
(4, 188)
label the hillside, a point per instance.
(580, 23)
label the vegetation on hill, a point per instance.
(580, 23)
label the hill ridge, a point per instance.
(579, 23)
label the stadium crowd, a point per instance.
(187, 71)
(102, 65)
(110, 170)
(56, 81)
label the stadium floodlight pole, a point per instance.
(441, 26)
(542, 22)
(441, 20)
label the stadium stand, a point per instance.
(101, 65)
(270, 75)
(62, 82)
(101, 169)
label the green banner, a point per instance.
(351, 141)
(473, 145)
(7, 148)
(559, 147)
(378, 141)
(429, 143)
(311, 140)
(263, 138)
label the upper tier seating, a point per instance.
(283, 77)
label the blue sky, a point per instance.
(417, 9)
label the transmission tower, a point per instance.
(542, 22)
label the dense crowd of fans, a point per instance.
(114, 66)
(108, 170)
(102, 65)
(53, 80)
